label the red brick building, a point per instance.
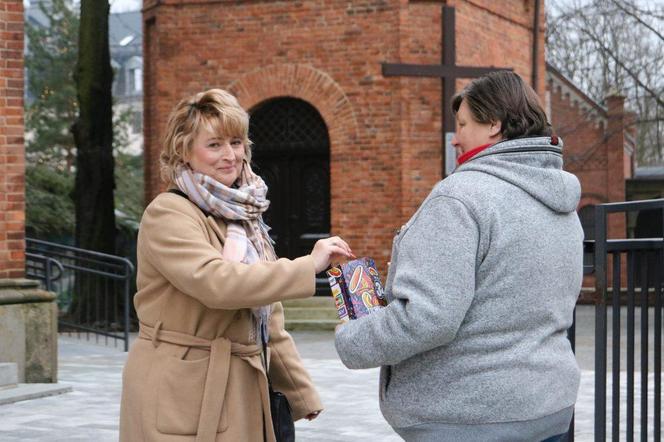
(599, 149)
(600, 146)
(12, 162)
(311, 72)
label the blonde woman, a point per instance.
(209, 286)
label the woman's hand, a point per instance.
(329, 250)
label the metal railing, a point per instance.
(641, 263)
(43, 268)
(92, 288)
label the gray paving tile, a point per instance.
(91, 410)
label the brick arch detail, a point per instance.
(322, 92)
(306, 83)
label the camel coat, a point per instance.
(195, 372)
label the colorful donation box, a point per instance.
(356, 288)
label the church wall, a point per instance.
(585, 147)
(386, 144)
(594, 151)
(486, 35)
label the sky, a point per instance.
(116, 5)
(125, 5)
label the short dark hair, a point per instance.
(503, 96)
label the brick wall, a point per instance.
(385, 133)
(582, 129)
(595, 140)
(12, 163)
(595, 150)
(615, 167)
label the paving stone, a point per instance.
(91, 410)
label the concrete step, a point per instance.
(8, 375)
(310, 313)
(315, 313)
(313, 302)
(311, 324)
(24, 392)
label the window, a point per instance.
(135, 81)
(134, 76)
(138, 79)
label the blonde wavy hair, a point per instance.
(215, 110)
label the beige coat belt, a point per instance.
(217, 375)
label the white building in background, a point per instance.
(126, 46)
(125, 36)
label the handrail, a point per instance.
(112, 258)
(631, 206)
(48, 262)
(96, 284)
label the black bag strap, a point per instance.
(185, 196)
(264, 340)
(179, 192)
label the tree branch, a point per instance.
(600, 44)
(620, 6)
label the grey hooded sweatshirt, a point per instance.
(482, 285)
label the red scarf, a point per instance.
(471, 153)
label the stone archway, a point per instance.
(324, 94)
(303, 82)
(292, 153)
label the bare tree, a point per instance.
(607, 45)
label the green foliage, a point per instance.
(50, 209)
(50, 63)
(128, 189)
(49, 116)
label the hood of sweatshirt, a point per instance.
(534, 165)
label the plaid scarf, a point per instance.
(244, 204)
(238, 249)
(247, 238)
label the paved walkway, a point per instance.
(90, 412)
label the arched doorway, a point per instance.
(292, 154)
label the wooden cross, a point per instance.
(448, 72)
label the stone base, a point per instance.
(24, 392)
(8, 375)
(29, 330)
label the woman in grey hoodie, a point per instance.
(482, 285)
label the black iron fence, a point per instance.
(93, 289)
(628, 279)
(43, 268)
